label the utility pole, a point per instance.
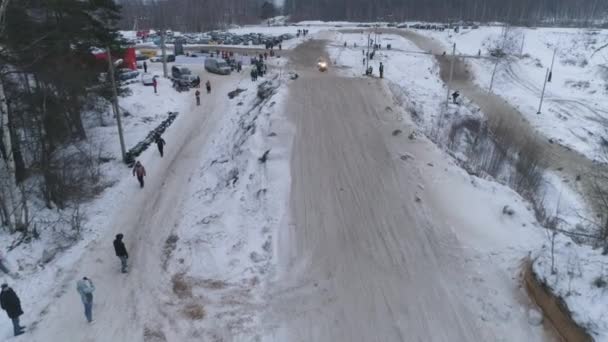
(447, 100)
(162, 45)
(542, 95)
(115, 104)
(367, 55)
(493, 73)
(552, 61)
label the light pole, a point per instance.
(164, 52)
(542, 95)
(552, 62)
(447, 100)
(115, 107)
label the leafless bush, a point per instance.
(506, 44)
(73, 175)
(529, 171)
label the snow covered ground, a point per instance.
(574, 112)
(48, 266)
(577, 274)
(220, 248)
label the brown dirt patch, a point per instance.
(554, 308)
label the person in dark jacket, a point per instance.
(12, 305)
(140, 172)
(381, 70)
(208, 85)
(145, 67)
(160, 142)
(197, 94)
(455, 96)
(121, 252)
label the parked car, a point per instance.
(191, 80)
(178, 71)
(159, 59)
(147, 79)
(127, 74)
(217, 66)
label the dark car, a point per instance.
(127, 74)
(178, 71)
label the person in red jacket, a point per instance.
(140, 172)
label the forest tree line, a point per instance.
(526, 12)
(188, 15)
(196, 15)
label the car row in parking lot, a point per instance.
(219, 38)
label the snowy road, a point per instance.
(125, 305)
(362, 260)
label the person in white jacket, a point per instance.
(85, 288)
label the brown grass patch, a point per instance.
(181, 287)
(194, 311)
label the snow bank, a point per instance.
(225, 243)
(577, 274)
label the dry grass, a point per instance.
(151, 335)
(194, 311)
(181, 287)
(170, 245)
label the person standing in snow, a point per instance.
(160, 142)
(197, 94)
(455, 96)
(12, 305)
(85, 288)
(140, 172)
(381, 70)
(121, 252)
(208, 85)
(145, 67)
(254, 75)
(154, 84)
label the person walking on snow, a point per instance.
(121, 252)
(12, 305)
(160, 143)
(145, 67)
(140, 172)
(381, 70)
(198, 97)
(254, 75)
(455, 96)
(85, 288)
(154, 84)
(208, 85)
